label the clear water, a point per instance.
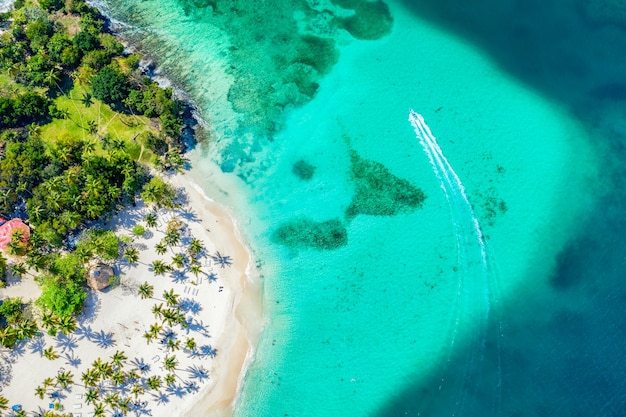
(379, 305)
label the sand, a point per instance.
(225, 314)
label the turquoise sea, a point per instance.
(476, 272)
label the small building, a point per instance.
(99, 276)
(9, 227)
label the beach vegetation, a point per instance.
(158, 193)
(146, 290)
(139, 230)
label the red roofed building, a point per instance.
(8, 227)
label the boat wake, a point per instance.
(476, 287)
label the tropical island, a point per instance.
(120, 282)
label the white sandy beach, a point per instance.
(223, 307)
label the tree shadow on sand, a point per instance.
(198, 372)
(104, 340)
(141, 365)
(84, 332)
(72, 360)
(37, 345)
(65, 342)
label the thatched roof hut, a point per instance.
(99, 276)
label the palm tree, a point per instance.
(173, 344)
(7, 337)
(172, 237)
(195, 246)
(159, 267)
(49, 320)
(4, 403)
(25, 329)
(90, 377)
(118, 377)
(48, 382)
(122, 404)
(154, 382)
(157, 310)
(98, 410)
(148, 336)
(50, 354)
(91, 396)
(151, 220)
(170, 363)
(191, 344)
(89, 146)
(67, 324)
(65, 378)
(133, 376)
(118, 357)
(18, 269)
(179, 260)
(131, 255)
(170, 297)
(160, 248)
(40, 392)
(170, 379)
(195, 269)
(146, 290)
(137, 390)
(155, 329)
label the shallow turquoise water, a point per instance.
(400, 319)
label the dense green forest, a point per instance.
(80, 125)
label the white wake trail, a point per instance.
(475, 280)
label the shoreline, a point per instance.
(243, 327)
(229, 317)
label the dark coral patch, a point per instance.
(307, 233)
(303, 170)
(378, 192)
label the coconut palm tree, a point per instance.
(170, 297)
(18, 269)
(90, 377)
(148, 336)
(67, 324)
(133, 376)
(191, 344)
(123, 405)
(159, 267)
(40, 392)
(195, 246)
(172, 237)
(170, 379)
(118, 377)
(48, 382)
(151, 220)
(49, 320)
(4, 403)
(98, 410)
(25, 329)
(65, 378)
(137, 390)
(170, 363)
(157, 310)
(173, 344)
(179, 260)
(7, 337)
(146, 290)
(131, 255)
(118, 357)
(91, 396)
(160, 248)
(195, 269)
(154, 382)
(155, 329)
(50, 354)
